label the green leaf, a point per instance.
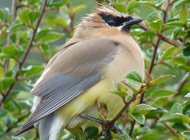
(17, 105)
(176, 108)
(13, 38)
(120, 7)
(5, 83)
(179, 127)
(34, 70)
(152, 16)
(12, 51)
(91, 132)
(184, 14)
(32, 1)
(9, 50)
(162, 93)
(171, 118)
(131, 86)
(133, 4)
(134, 76)
(8, 120)
(34, 15)
(150, 136)
(149, 91)
(187, 95)
(25, 16)
(179, 60)
(3, 112)
(186, 51)
(15, 25)
(168, 53)
(175, 24)
(58, 3)
(162, 79)
(77, 8)
(77, 132)
(144, 107)
(179, 3)
(186, 134)
(45, 47)
(50, 37)
(155, 113)
(132, 106)
(122, 94)
(2, 15)
(139, 117)
(156, 26)
(120, 86)
(183, 117)
(117, 137)
(13, 94)
(170, 67)
(119, 1)
(60, 21)
(41, 34)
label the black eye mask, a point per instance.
(114, 21)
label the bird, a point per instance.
(81, 74)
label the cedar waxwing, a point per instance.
(81, 73)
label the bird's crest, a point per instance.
(101, 9)
(109, 10)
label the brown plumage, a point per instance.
(81, 73)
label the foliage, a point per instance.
(159, 109)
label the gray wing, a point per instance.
(69, 73)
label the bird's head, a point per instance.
(106, 20)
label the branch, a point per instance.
(13, 17)
(3, 25)
(171, 129)
(170, 41)
(26, 52)
(154, 55)
(160, 35)
(140, 91)
(183, 80)
(132, 127)
(71, 16)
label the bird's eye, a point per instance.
(111, 22)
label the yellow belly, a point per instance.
(86, 103)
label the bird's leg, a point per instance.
(101, 122)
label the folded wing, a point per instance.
(69, 73)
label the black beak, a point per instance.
(132, 21)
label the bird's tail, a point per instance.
(50, 127)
